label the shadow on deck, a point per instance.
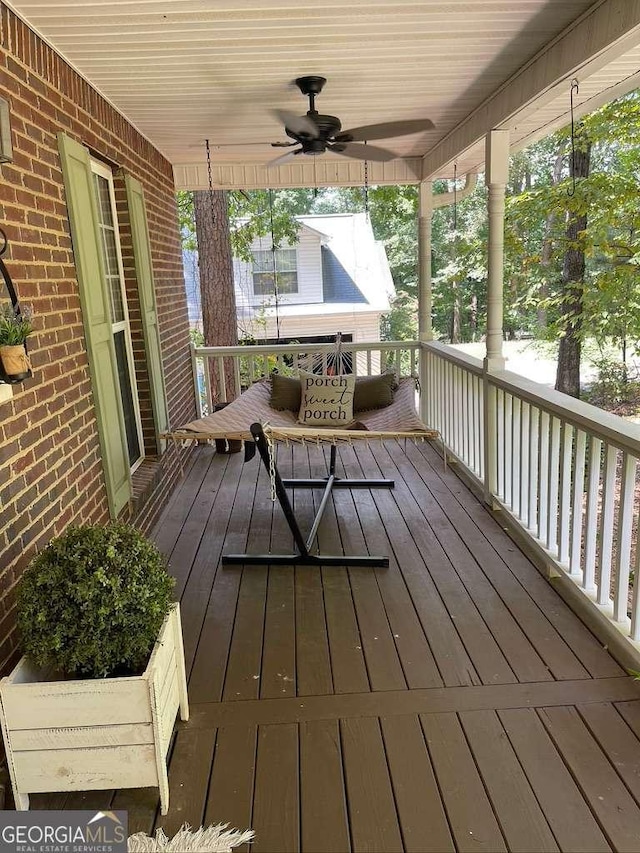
(449, 702)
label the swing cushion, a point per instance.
(285, 393)
(374, 392)
(371, 392)
(326, 400)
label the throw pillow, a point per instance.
(285, 393)
(326, 400)
(374, 392)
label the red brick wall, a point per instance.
(50, 467)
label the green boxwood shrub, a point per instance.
(92, 602)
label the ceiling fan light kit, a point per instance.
(317, 133)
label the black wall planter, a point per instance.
(13, 379)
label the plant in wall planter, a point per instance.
(93, 702)
(15, 328)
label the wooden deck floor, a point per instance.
(449, 702)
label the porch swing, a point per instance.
(252, 419)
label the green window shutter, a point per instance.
(144, 274)
(96, 315)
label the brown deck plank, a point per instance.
(208, 673)
(346, 649)
(434, 700)
(586, 647)
(230, 796)
(380, 651)
(515, 804)
(141, 804)
(631, 713)
(472, 820)
(345, 641)
(548, 643)
(372, 811)
(168, 527)
(323, 808)
(212, 493)
(188, 779)
(50, 802)
(422, 816)
(522, 657)
(245, 655)
(614, 807)
(453, 661)
(244, 667)
(312, 647)
(276, 798)
(426, 791)
(194, 600)
(279, 659)
(568, 815)
(362, 531)
(417, 548)
(617, 740)
(91, 800)
(278, 676)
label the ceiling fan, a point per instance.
(316, 133)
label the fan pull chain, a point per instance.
(455, 198)
(575, 88)
(213, 209)
(366, 186)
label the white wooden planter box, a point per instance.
(99, 733)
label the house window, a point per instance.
(120, 328)
(264, 274)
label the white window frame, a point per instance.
(254, 272)
(101, 169)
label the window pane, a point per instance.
(110, 252)
(263, 284)
(262, 261)
(287, 282)
(286, 260)
(124, 379)
(104, 202)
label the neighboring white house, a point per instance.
(335, 278)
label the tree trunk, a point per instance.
(473, 317)
(219, 320)
(568, 373)
(546, 255)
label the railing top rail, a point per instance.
(610, 428)
(449, 353)
(275, 349)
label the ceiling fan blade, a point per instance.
(283, 158)
(362, 152)
(299, 125)
(386, 130)
(280, 144)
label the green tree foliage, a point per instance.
(540, 202)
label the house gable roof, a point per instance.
(354, 265)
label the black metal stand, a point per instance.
(303, 555)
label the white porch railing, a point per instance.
(564, 470)
(238, 367)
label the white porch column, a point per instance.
(425, 216)
(497, 173)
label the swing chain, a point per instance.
(272, 462)
(213, 208)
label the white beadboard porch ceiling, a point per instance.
(183, 71)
